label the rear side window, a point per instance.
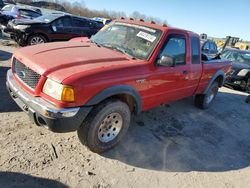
(195, 46)
(7, 8)
(62, 22)
(29, 13)
(175, 48)
(80, 23)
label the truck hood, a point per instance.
(61, 60)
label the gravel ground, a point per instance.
(175, 145)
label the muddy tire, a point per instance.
(36, 39)
(204, 101)
(105, 126)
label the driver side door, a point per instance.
(61, 29)
(168, 82)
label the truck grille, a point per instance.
(24, 73)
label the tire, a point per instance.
(204, 101)
(105, 126)
(36, 39)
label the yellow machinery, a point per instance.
(219, 42)
(234, 42)
(242, 45)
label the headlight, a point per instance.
(243, 72)
(21, 27)
(59, 91)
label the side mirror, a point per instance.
(166, 61)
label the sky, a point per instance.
(216, 18)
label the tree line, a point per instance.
(79, 8)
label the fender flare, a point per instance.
(215, 76)
(116, 90)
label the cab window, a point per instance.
(175, 48)
(195, 47)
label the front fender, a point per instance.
(117, 90)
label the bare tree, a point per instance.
(79, 8)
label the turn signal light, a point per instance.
(68, 94)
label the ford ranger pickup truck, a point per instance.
(92, 86)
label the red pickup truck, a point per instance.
(93, 86)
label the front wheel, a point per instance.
(204, 101)
(105, 126)
(36, 39)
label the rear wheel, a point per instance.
(36, 39)
(204, 101)
(105, 126)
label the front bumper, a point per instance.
(17, 35)
(3, 31)
(44, 113)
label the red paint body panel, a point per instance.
(91, 69)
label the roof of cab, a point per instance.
(162, 27)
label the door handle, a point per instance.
(185, 72)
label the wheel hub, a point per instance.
(211, 95)
(36, 40)
(110, 127)
(210, 98)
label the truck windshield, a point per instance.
(133, 40)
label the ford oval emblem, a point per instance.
(22, 74)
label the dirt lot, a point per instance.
(176, 145)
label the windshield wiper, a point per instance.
(96, 43)
(119, 49)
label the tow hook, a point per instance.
(25, 108)
(13, 95)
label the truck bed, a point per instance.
(209, 70)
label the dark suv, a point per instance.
(10, 12)
(53, 27)
(240, 73)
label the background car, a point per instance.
(209, 48)
(5, 2)
(240, 73)
(10, 12)
(52, 27)
(104, 21)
